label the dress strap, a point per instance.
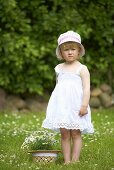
(79, 69)
(57, 69)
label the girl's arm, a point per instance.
(85, 75)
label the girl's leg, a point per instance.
(66, 144)
(77, 144)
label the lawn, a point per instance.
(97, 152)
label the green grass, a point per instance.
(97, 152)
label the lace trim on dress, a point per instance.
(62, 125)
(57, 127)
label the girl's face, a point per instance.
(70, 51)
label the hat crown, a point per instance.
(69, 36)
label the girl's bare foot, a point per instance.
(75, 161)
(66, 163)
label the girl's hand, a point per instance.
(83, 111)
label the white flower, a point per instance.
(42, 139)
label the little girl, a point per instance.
(68, 109)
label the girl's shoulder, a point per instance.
(84, 70)
(84, 67)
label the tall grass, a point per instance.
(97, 152)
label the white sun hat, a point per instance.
(66, 37)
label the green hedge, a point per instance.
(28, 38)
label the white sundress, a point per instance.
(65, 102)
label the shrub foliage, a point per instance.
(28, 39)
